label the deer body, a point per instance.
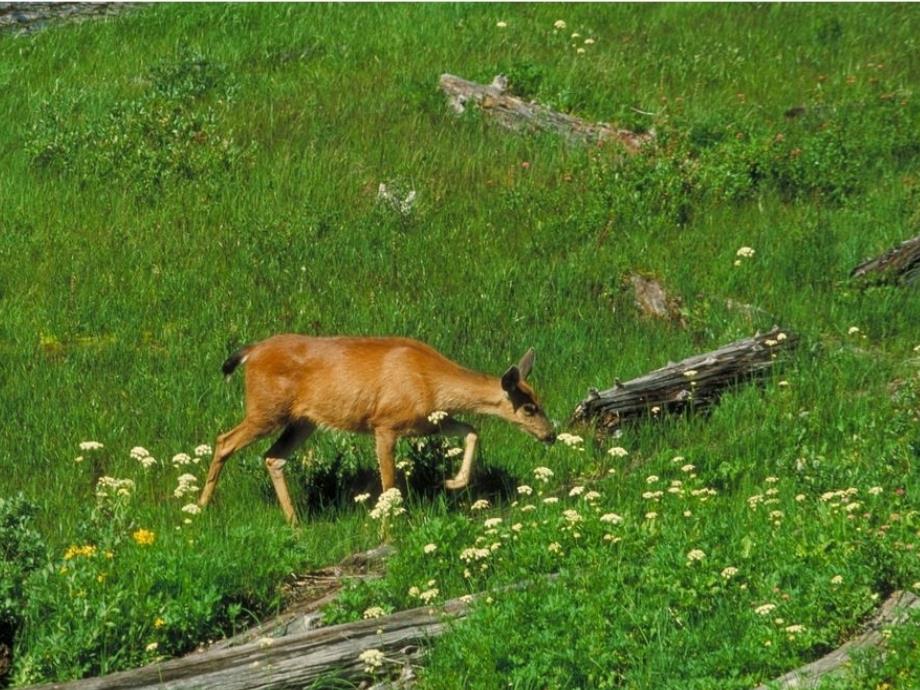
(385, 386)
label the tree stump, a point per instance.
(517, 114)
(899, 265)
(695, 383)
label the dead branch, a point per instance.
(695, 383)
(517, 114)
(899, 265)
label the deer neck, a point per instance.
(471, 391)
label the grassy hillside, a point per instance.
(178, 181)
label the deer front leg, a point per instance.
(276, 458)
(451, 427)
(385, 441)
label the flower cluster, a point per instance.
(388, 505)
(188, 484)
(143, 456)
(110, 487)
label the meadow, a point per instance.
(179, 181)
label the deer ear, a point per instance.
(526, 363)
(510, 379)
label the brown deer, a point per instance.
(389, 387)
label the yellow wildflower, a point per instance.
(144, 537)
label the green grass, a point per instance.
(178, 181)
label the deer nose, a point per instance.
(550, 438)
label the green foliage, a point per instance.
(170, 134)
(22, 551)
(164, 205)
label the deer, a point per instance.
(390, 387)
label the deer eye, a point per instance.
(530, 409)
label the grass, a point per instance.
(178, 181)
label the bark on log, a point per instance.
(695, 383)
(894, 611)
(517, 114)
(899, 265)
(323, 586)
(293, 661)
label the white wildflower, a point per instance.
(501, 25)
(745, 252)
(90, 445)
(764, 609)
(388, 505)
(430, 548)
(361, 498)
(618, 452)
(577, 491)
(524, 490)
(181, 459)
(729, 572)
(191, 509)
(542, 474)
(481, 504)
(202, 450)
(573, 517)
(559, 24)
(373, 612)
(612, 518)
(437, 416)
(492, 522)
(695, 555)
(428, 595)
(571, 440)
(372, 660)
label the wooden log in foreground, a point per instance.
(894, 611)
(899, 265)
(517, 114)
(694, 383)
(293, 661)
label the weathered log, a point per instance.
(694, 383)
(321, 587)
(517, 114)
(894, 611)
(899, 265)
(293, 661)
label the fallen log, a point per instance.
(517, 114)
(322, 586)
(900, 265)
(293, 661)
(894, 611)
(695, 383)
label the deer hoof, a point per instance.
(457, 483)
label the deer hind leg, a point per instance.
(276, 457)
(385, 442)
(451, 427)
(227, 444)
